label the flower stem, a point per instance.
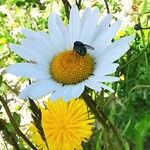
(67, 7)
(78, 4)
(107, 7)
(13, 122)
(11, 137)
(102, 118)
(112, 128)
(88, 100)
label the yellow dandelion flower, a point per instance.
(66, 124)
(36, 138)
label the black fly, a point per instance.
(81, 48)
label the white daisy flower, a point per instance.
(61, 68)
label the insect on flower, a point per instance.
(64, 66)
(81, 48)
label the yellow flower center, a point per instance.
(69, 67)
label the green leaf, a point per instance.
(144, 7)
(141, 131)
(127, 147)
(8, 132)
(126, 127)
(2, 124)
(17, 118)
(98, 140)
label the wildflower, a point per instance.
(65, 124)
(57, 69)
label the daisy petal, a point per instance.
(64, 33)
(28, 33)
(90, 23)
(32, 38)
(105, 22)
(74, 25)
(103, 68)
(117, 49)
(111, 32)
(44, 41)
(103, 25)
(29, 70)
(22, 51)
(106, 87)
(104, 39)
(75, 92)
(28, 52)
(57, 31)
(25, 93)
(58, 93)
(68, 92)
(84, 17)
(67, 89)
(39, 89)
(93, 85)
(44, 88)
(105, 79)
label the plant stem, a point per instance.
(4, 141)
(15, 145)
(13, 122)
(112, 128)
(67, 7)
(92, 107)
(107, 7)
(78, 4)
(102, 118)
(13, 90)
(141, 30)
(138, 87)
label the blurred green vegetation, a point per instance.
(128, 109)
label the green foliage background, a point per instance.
(128, 109)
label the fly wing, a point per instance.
(88, 47)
